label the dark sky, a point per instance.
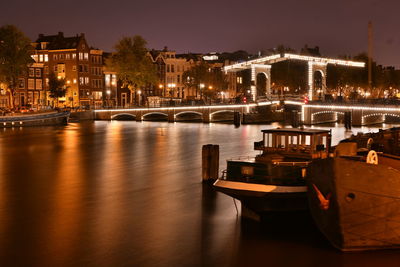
(337, 26)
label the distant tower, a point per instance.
(370, 54)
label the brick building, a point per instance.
(72, 59)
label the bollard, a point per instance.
(210, 162)
(347, 120)
(295, 119)
(236, 118)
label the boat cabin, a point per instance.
(296, 143)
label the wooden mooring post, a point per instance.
(210, 162)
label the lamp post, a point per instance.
(108, 92)
(201, 90)
(139, 93)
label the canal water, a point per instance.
(130, 194)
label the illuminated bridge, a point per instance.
(316, 65)
(172, 114)
(361, 114)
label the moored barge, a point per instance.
(354, 195)
(274, 180)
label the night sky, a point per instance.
(338, 27)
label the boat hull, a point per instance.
(265, 198)
(44, 119)
(363, 211)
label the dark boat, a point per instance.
(354, 195)
(40, 119)
(274, 179)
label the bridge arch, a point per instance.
(190, 116)
(222, 115)
(123, 116)
(326, 116)
(392, 118)
(155, 116)
(373, 118)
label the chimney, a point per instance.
(61, 34)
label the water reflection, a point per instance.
(127, 193)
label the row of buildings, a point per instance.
(89, 83)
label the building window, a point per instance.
(35, 57)
(31, 83)
(46, 58)
(31, 72)
(38, 73)
(46, 82)
(55, 57)
(81, 81)
(178, 78)
(168, 67)
(74, 56)
(40, 58)
(87, 80)
(80, 56)
(21, 83)
(172, 68)
(80, 68)
(67, 56)
(75, 81)
(39, 84)
(61, 56)
(46, 70)
(55, 68)
(86, 56)
(74, 68)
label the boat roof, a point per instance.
(296, 130)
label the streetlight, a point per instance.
(201, 90)
(139, 93)
(108, 92)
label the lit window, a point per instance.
(86, 80)
(55, 57)
(80, 56)
(86, 56)
(39, 84)
(61, 56)
(46, 58)
(40, 58)
(67, 56)
(81, 81)
(73, 56)
(75, 81)
(74, 68)
(31, 83)
(46, 82)
(35, 57)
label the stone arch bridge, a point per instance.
(360, 114)
(172, 114)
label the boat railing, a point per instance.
(242, 158)
(292, 163)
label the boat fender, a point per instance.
(372, 157)
(369, 143)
